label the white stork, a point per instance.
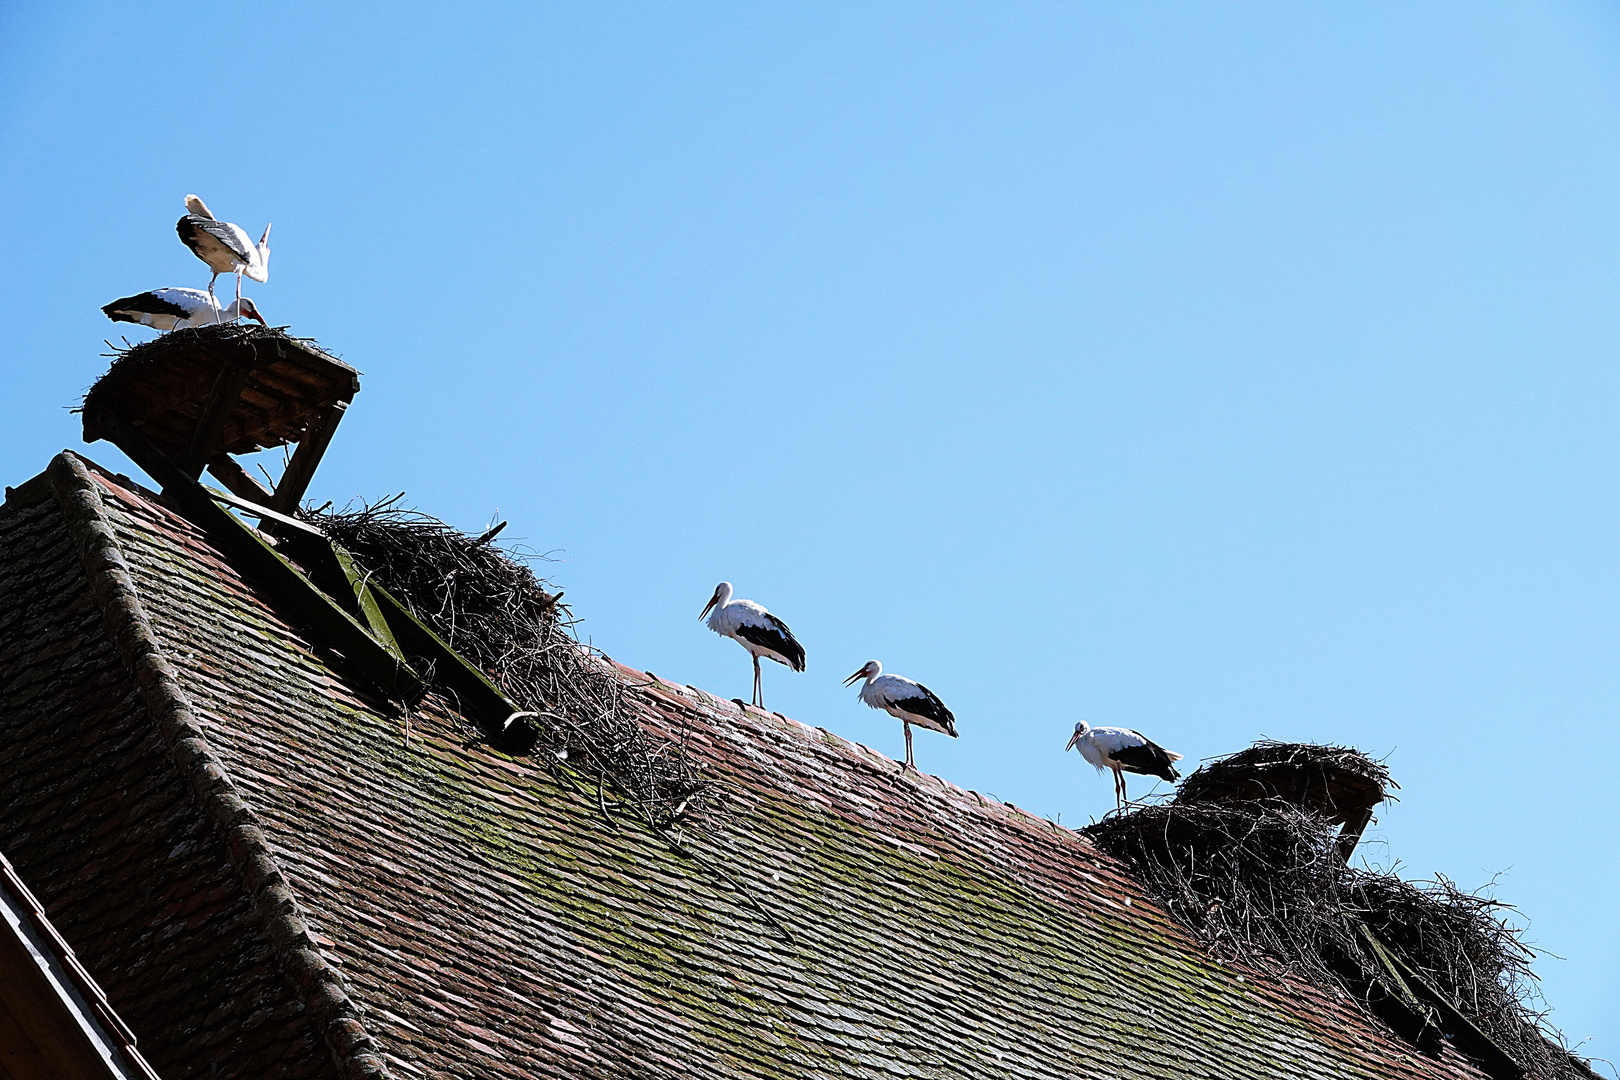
(170, 309)
(1123, 751)
(226, 248)
(756, 630)
(909, 702)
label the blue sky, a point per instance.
(1220, 371)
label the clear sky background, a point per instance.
(1220, 371)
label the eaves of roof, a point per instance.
(51, 1001)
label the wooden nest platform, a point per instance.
(164, 387)
(1335, 783)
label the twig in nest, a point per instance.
(492, 608)
(1259, 880)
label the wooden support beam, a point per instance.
(282, 581)
(1400, 1007)
(1350, 834)
(1467, 1036)
(301, 469)
(238, 481)
(265, 514)
(477, 696)
(1389, 998)
(365, 600)
(372, 628)
(222, 398)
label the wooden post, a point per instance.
(222, 398)
(301, 469)
(1350, 835)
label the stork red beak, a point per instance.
(706, 607)
(1072, 740)
(254, 314)
(861, 674)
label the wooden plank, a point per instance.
(41, 1037)
(1468, 1037)
(216, 410)
(1401, 1009)
(283, 581)
(365, 600)
(238, 481)
(264, 513)
(320, 363)
(301, 469)
(478, 698)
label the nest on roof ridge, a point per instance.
(1333, 781)
(1258, 878)
(491, 607)
(205, 339)
(161, 386)
(213, 332)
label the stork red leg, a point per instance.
(910, 763)
(759, 691)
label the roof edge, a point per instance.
(336, 1017)
(104, 1031)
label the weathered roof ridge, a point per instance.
(335, 1016)
(968, 799)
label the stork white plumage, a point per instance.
(909, 702)
(1123, 751)
(169, 309)
(226, 248)
(756, 630)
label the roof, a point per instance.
(273, 871)
(54, 1019)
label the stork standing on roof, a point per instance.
(1123, 751)
(226, 248)
(756, 630)
(170, 309)
(909, 702)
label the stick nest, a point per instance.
(490, 606)
(207, 340)
(1258, 879)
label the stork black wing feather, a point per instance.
(777, 638)
(1149, 759)
(930, 707)
(142, 303)
(191, 225)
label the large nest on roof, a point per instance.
(490, 606)
(1257, 876)
(1332, 781)
(161, 385)
(207, 339)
